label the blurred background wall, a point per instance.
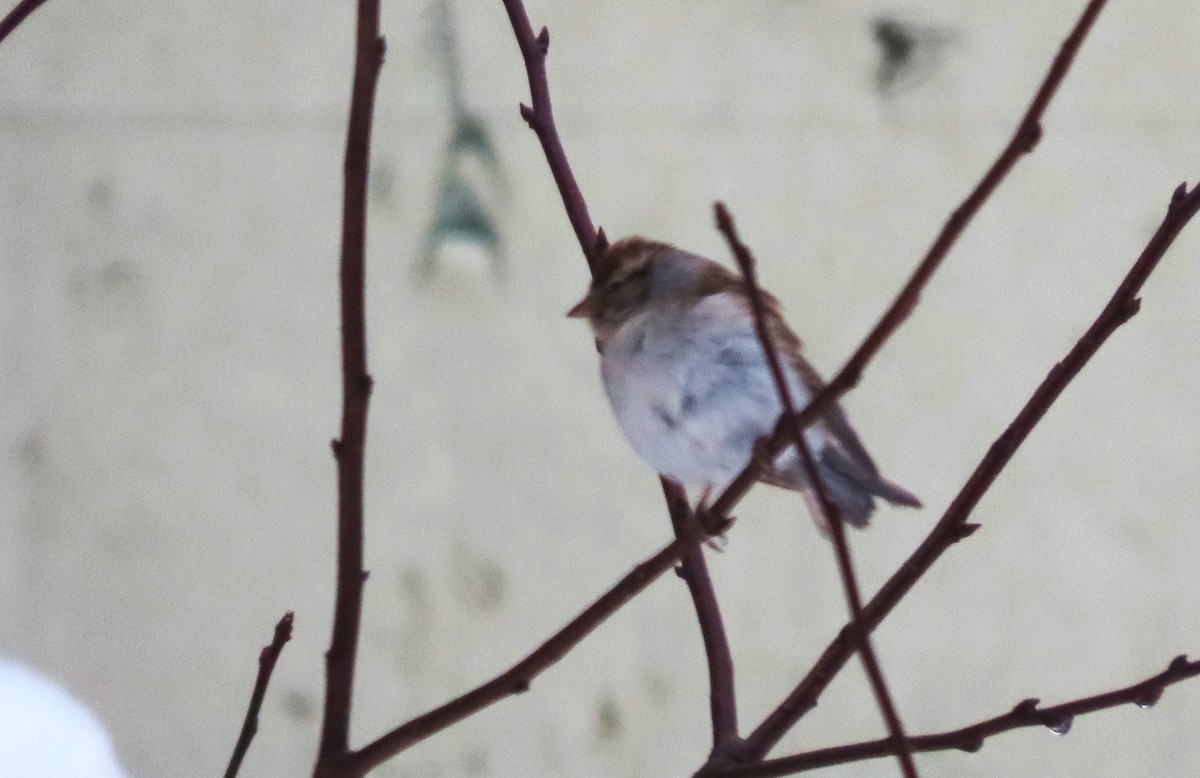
(169, 217)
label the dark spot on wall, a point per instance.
(477, 580)
(117, 274)
(608, 719)
(415, 644)
(657, 686)
(896, 43)
(100, 193)
(298, 705)
(688, 404)
(411, 585)
(907, 51)
(32, 450)
(475, 761)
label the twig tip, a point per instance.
(543, 41)
(724, 220)
(1178, 196)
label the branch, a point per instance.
(953, 525)
(518, 678)
(1026, 714)
(694, 571)
(266, 664)
(356, 391)
(540, 118)
(831, 514)
(1023, 141)
(17, 15)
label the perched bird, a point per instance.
(689, 383)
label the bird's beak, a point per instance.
(584, 309)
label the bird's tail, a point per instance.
(854, 490)
(851, 486)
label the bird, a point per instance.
(691, 389)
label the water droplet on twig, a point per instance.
(1062, 726)
(1150, 697)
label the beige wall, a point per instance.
(169, 194)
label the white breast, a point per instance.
(691, 390)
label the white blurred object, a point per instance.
(47, 733)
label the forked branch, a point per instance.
(1023, 141)
(1026, 713)
(518, 678)
(953, 525)
(831, 515)
(540, 118)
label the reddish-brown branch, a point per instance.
(518, 678)
(1022, 142)
(348, 448)
(17, 15)
(540, 118)
(832, 516)
(694, 571)
(953, 525)
(971, 738)
(266, 665)
(592, 242)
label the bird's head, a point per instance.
(635, 273)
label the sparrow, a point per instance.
(690, 387)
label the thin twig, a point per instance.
(832, 516)
(356, 391)
(518, 678)
(694, 571)
(592, 242)
(266, 664)
(970, 739)
(953, 525)
(17, 15)
(540, 118)
(1023, 140)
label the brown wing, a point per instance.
(842, 433)
(845, 465)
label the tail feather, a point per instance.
(854, 502)
(854, 488)
(895, 494)
(851, 487)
